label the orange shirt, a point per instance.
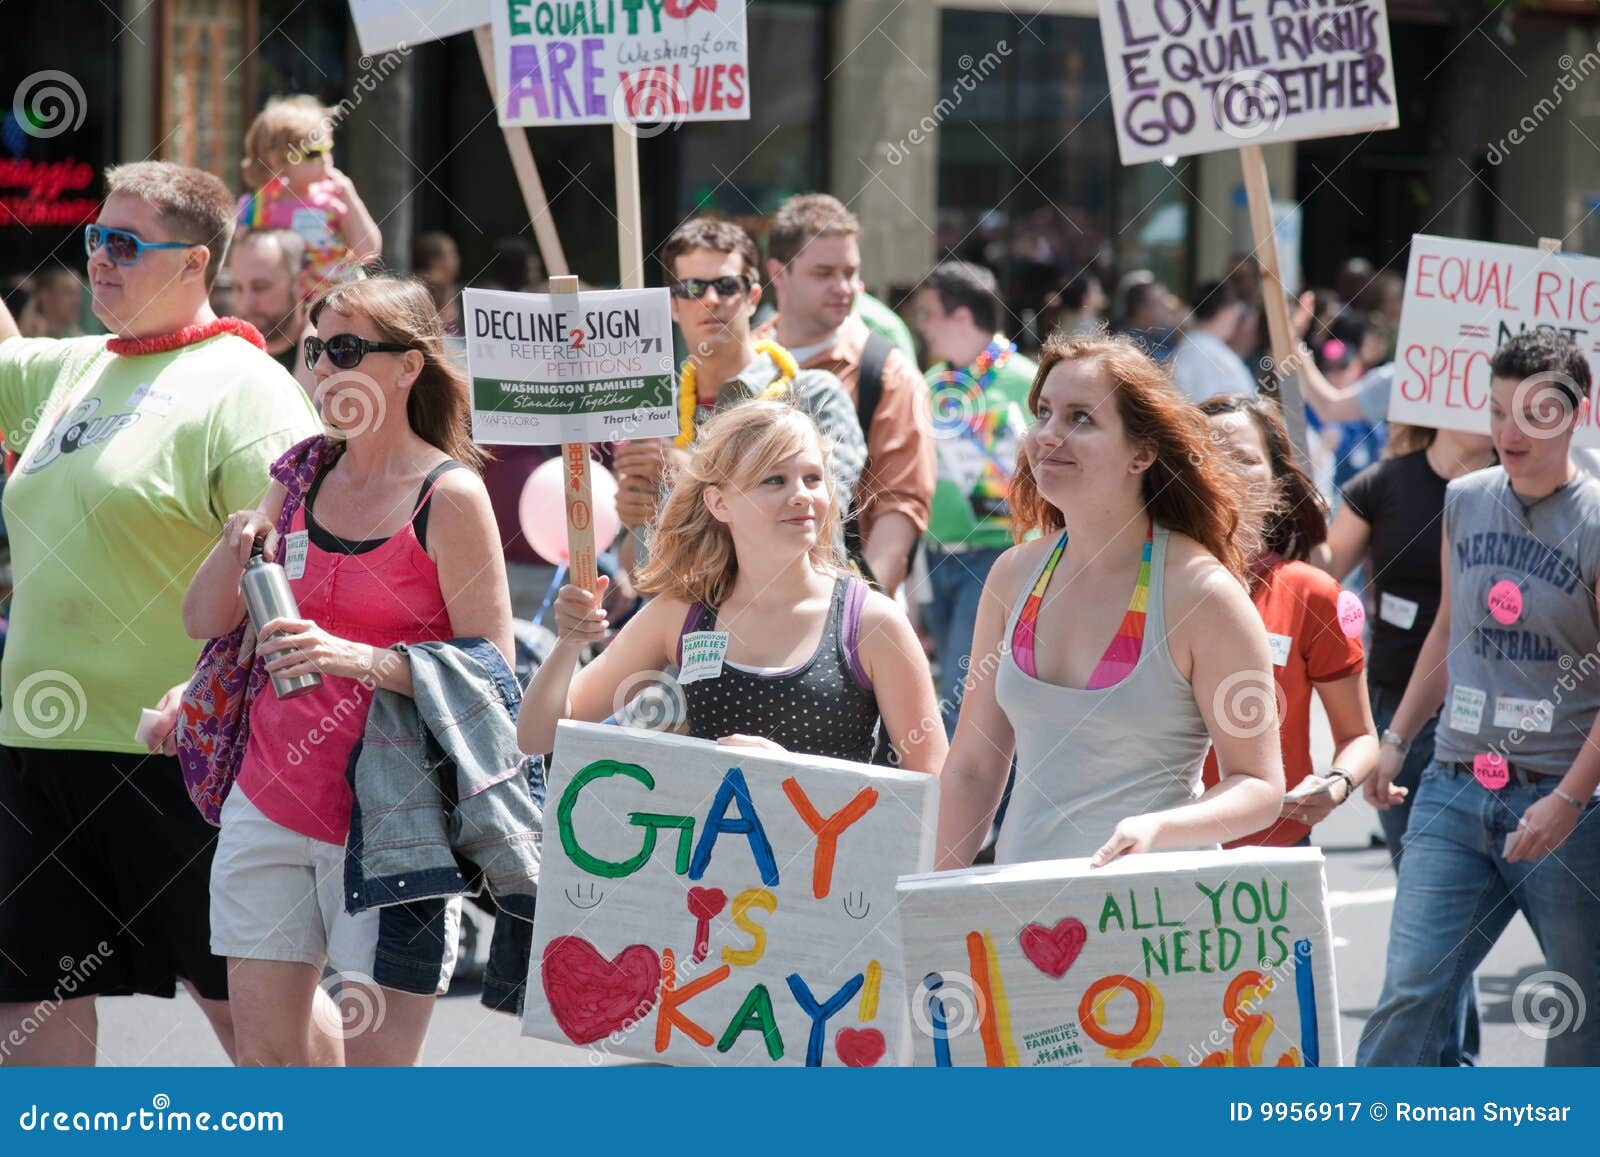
(1300, 606)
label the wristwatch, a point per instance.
(1396, 740)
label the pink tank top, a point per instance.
(385, 593)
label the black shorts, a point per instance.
(105, 870)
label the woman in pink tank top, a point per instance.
(395, 543)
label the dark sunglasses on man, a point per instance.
(345, 350)
(694, 288)
(123, 247)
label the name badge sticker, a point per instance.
(1466, 708)
(1397, 612)
(1524, 714)
(294, 553)
(703, 653)
(1280, 646)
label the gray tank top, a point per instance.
(1524, 635)
(1088, 759)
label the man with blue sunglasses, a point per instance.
(132, 450)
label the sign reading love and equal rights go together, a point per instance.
(1169, 959)
(705, 905)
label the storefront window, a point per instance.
(1030, 183)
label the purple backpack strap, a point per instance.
(690, 622)
(855, 600)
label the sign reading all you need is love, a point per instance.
(706, 905)
(1171, 959)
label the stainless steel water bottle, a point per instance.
(267, 595)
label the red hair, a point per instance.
(1189, 487)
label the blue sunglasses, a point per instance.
(122, 247)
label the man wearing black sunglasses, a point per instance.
(711, 272)
(132, 450)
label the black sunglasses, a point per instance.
(694, 288)
(345, 350)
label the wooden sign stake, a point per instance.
(630, 236)
(575, 472)
(544, 226)
(1273, 293)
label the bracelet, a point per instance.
(1396, 740)
(1349, 781)
(1567, 797)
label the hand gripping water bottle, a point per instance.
(267, 595)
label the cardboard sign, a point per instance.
(385, 24)
(1202, 76)
(1169, 959)
(573, 62)
(591, 367)
(706, 905)
(1463, 300)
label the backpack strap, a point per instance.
(869, 392)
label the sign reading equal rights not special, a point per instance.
(1463, 300)
(1204, 76)
(591, 367)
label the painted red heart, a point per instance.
(1052, 950)
(860, 1048)
(590, 996)
(706, 903)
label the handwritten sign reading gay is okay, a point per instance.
(1178, 958)
(722, 905)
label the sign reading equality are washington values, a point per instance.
(1171, 959)
(1463, 300)
(568, 62)
(591, 367)
(1203, 76)
(705, 905)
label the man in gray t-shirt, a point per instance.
(1504, 818)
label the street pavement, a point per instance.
(148, 1031)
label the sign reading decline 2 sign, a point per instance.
(1169, 959)
(595, 367)
(625, 61)
(1463, 300)
(1203, 76)
(705, 905)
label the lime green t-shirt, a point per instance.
(128, 468)
(977, 452)
(879, 318)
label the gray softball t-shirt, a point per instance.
(1524, 632)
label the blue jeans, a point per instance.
(1384, 704)
(1465, 1037)
(957, 582)
(1456, 895)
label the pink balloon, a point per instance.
(542, 509)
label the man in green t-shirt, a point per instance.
(980, 395)
(132, 450)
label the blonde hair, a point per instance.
(691, 552)
(193, 204)
(281, 131)
(439, 406)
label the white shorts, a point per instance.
(279, 895)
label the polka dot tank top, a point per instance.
(825, 706)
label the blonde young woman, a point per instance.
(808, 659)
(395, 542)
